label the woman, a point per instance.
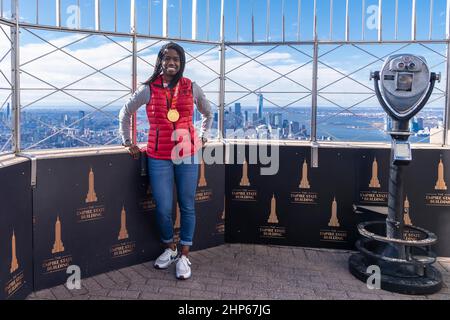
(172, 148)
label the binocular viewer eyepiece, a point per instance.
(404, 85)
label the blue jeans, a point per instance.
(162, 175)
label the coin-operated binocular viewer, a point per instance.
(403, 87)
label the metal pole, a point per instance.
(165, 20)
(237, 20)
(115, 15)
(315, 21)
(431, 20)
(180, 19)
(363, 17)
(37, 11)
(380, 20)
(268, 21)
(15, 75)
(298, 19)
(447, 100)
(207, 20)
(413, 21)
(283, 32)
(314, 80)
(253, 25)
(347, 22)
(222, 71)
(396, 19)
(194, 20)
(331, 20)
(58, 13)
(222, 21)
(134, 68)
(97, 15)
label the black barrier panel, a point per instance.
(313, 207)
(296, 205)
(92, 212)
(16, 272)
(427, 196)
(372, 177)
(97, 213)
(210, 200)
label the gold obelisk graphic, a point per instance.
(244, 180)
(273, 211)
(58, 245)
(14, 263)
(334, 222)
(304, 183)
(406, 217)
(374, 182)
(202, 181)
(177, 224)
(91, 196)
(440, 183)
(223, 213)
(123, 233)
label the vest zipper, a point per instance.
(173, 123)
(157, 139)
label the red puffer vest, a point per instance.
(185, 141)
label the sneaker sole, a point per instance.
(165, 267)
(183, 277)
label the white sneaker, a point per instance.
(166, 258)
(183, 269)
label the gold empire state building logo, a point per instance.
(177, 224)
(123, 233)
(91, 196)
(374, 182)
(334, 222)
(304, 183)
(223, 213)
(273, 211)
(440, 183)
(58, 245)
(406, 217)
(14, 263)
(244, 180)
(202, 181)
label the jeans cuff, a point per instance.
(186, 243)
(167, 241)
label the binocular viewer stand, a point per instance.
(405, 263)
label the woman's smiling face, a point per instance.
(170, 62)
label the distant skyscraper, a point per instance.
(294, 128)
(216, 117)
(81, 123)
(259, 108)
(237, 108)
(8, 111)
(254, 118)
(387, 123)
(246, 117)
(278, 120)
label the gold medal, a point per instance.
(173, 115)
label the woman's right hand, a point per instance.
(134, 151)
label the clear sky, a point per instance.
(100, 52)
(153, 16)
